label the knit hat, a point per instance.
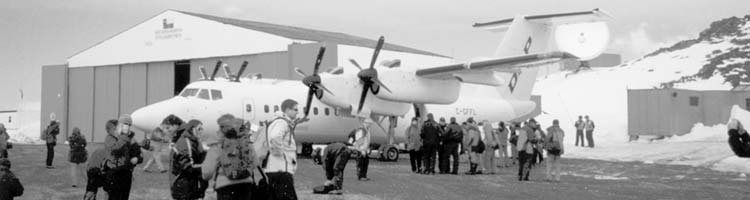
(226, 120)
(125, 119)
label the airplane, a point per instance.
(496, 89)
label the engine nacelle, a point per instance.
(347, 89)
(407, 87)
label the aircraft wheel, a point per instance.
(307, 150)
(391, 154)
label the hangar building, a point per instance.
(156, 59)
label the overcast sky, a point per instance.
(36, 33)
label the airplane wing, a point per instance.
(482, 72)
(595, 15)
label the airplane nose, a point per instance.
(144, 119)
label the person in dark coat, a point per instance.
(453, 137)
(739, 140)
(334, 159)
(122, 157)
(10, 186)
(187, 179)
(431, 133)
(50, 136)
(77, 156)
(95, 177)
(4, 137)
(442, 156)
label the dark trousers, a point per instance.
(4, 153)
(120, 183)
(524, 167)
(442, 159)
(590, 138)
(50, 153)
(362, 163)
(415, 157)
(282, 184)
(240, 191)
(449, 150)
(334, 166)
(579, 136)
(429, 151)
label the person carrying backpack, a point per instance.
(187, 156)
(526, 143)
(554, 147)
(230, 161)
(50, 136)
(121, 158)
(10, 186)
(281, 161)
(453, 137)
(474, 145)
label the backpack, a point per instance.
(237, 158)
(513, 139)
(261, 144)
(552, 146)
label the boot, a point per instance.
(472, 169)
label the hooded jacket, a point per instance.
(77, 143)
(187, 180)
(454, 133)
(472, 136)
(10, 186)
(431, 133)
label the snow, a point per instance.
(29, 127)
(601, 93)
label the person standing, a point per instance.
(77, 156)
(473, 145)
(95, 174)
(414, 145)
(580, 125)
(430, 139)
(502, 140)
(158, 141)
(360, 140)
(282, 161)
(187, 157)
(590, 131)
(538, 148)
(491, 142)
(123, 157)
(526, 142)
(4, 137)
(50, 136)
(230, 161)
(442, 156)
(10, 186)
(513, 140)
(453, 137)
(555, 148)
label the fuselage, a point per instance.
(259, 100)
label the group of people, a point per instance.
(522, 143)
(586, 126)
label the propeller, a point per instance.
(313, 81)
(369, 77)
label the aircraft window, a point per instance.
(189, 92)
(203, 94)
(326, 111)
(315, 110)
(275, 108)
(265, 108)
(216, 94)
(248, 108)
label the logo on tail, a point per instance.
(513, 82)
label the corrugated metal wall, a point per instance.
(669, 112)
(81, 100)
(106, 99)
(54, 95)
(160, 81)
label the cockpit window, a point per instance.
(189, 92)
(203, 94)
(216, 94)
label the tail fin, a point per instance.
(539, 34)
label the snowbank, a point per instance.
(28, 124)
